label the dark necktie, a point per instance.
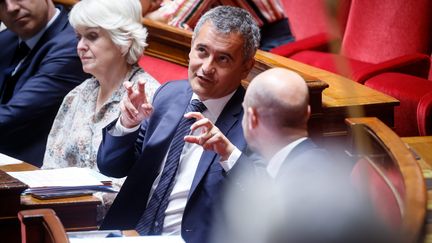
(151, 222)
(10, 81)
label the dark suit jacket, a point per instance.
(309, 160)
(310, 200)
(117, 157)
(49, 72)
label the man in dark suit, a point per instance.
(222, 54)
(39, 65)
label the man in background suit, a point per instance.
(222, 54)
(39, 65)
(303, 194)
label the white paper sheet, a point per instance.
(134, 239)
(64, 177)
(7, 160)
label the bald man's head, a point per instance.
(280, 97)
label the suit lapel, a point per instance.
(226, 121)
(166, 127)
(9, 44)
(57, 26)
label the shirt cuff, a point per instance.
(119, 130)
(232, 159)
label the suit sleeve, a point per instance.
(33, 107)
(117, 154)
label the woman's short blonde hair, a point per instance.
(120, 18)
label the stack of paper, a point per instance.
(134, 239)
(6, 160)
(63, 180)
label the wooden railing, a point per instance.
(373, 139)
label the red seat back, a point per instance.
(424, 115)
(410, 117)
(379, 30)
(312, 17)
(385, 189)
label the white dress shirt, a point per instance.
(188, 164)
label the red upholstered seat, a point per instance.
(312, 26)
(424, 115)
(162, 70)
(309, 18)
(384, 187)
(380, 36)
(409, 90)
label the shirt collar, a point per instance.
(214, 106)
(277, 160)
(31, 42)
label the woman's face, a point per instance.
(97, 51)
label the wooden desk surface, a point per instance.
(422, 148)
(76, 213)
(343, 98)
(342, 92)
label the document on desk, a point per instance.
(7, 160)
(72, 178)
(134, 239)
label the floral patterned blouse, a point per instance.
(77, 129)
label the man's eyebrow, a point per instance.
(219, 52)
(201, 45)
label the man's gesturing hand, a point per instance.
(134, 106)
(211, 137)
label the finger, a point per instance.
(205, 124)
(146, 110)
(191, 139)
(146, 107)
(129, 87)
(126, 116)
(141, 90)
(196, 115)
(130, 107)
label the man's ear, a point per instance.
(247, 67)
(308, 113)
(252, 118)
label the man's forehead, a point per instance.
(208, 26)
(211, 36)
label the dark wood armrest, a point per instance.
(41, 225)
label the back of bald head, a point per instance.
(280, 97)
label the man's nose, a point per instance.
(208, 66)
(11, 5)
